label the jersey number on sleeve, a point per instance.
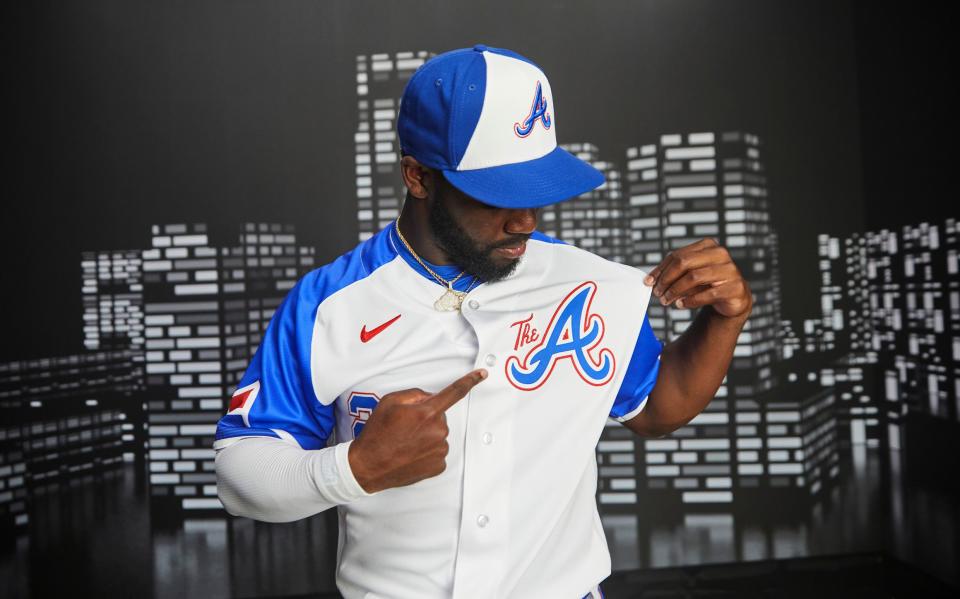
(361, 405)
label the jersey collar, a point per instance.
(447, 272)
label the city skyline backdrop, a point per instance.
(183, 317)
(174, 190)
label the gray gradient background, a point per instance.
(133, 113)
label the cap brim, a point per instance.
(552, 178)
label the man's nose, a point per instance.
(522, 221)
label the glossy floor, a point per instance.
(96, 537)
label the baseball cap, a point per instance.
(485, 117)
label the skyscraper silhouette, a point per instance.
(380, 191)
(206, 308)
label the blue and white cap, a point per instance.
(486, 118)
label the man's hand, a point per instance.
(702, 274)
(405, 438)
(693, 365)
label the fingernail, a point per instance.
(483, 373)
(648, 279)
(679, 303)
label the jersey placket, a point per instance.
(489, 452)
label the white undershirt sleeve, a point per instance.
(274, 480)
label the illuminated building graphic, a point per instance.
(593, 221)
(63, 418)
(380, 191)
(13, 474)
(915, 300)
(757, 433)
(852, 378)
(643, 215)
(112, 299)
(177, 325)
(206, 308)
(891, 307)
(112, 293)
(842, 338)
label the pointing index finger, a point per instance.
(456, 390)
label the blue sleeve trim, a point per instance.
(641, 374)
(232, 425)
(284, 398)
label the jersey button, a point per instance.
(474, 304)
(482, 520)
(487, 438)
(490, 360)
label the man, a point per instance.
(479, 484)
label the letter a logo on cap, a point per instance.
(538, 112)
(469, 113)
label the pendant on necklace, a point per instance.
(449, 301)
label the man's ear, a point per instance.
(416, 177)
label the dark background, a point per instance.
(129, 114)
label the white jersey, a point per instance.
(567, 344)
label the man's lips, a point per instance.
(513, 251)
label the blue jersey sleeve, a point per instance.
(641, 375)
(275, 396)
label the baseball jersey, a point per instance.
(567, 344)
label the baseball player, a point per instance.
(444, 384)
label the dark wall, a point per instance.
(907, 113)
(136, 113)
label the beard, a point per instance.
(475, 258)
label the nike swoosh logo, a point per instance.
(366, 335)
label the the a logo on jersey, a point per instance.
(361, 405)
(574, 334)
(242, 400)
(538, 112)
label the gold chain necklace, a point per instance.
(451, 299)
